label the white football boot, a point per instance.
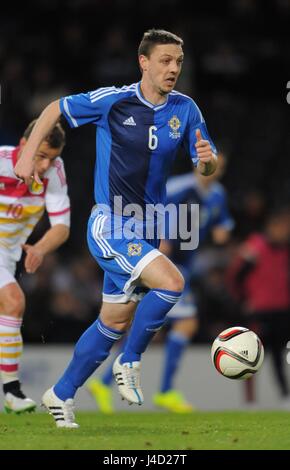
(18, 403)
(127, 376)
(62, 411)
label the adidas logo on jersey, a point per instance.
(129, 122)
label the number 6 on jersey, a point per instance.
(153, 139)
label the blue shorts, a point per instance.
(121, 259)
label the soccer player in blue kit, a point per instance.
(182, 319)
(139, 131)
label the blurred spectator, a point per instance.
(250, 214)
(45, 89)
(217, 308)
(259, 279)
(114, 60)
(225, 61)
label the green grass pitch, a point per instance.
(156, 431)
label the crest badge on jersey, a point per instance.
(134, 249)
(174, 124)
(36, 188)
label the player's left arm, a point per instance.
(58, 207)
(198, 142)
(207, 159)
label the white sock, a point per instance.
(10, 348)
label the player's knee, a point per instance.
(15, 304)
(117, 316)
(120, 323)
(191, 326)
(174, 282)
(121, 326)
(187, 327)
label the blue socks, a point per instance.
(91, 350)
(95, 344)
(175, 346)
(149, 318)
(107, 377)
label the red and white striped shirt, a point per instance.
(21, 206)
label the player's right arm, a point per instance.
(24, 168)
(79, 109)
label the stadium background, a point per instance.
(236, 64)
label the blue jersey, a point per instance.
(136, 140)
(213, 208)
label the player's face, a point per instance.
(44, 157)
(163, 66)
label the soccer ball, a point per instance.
(237, 353)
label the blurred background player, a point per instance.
(214, 219)
(21, 207)
(259, 280)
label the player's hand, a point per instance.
(203, 148)
(33, 258)
(25, 171)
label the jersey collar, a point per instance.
(147, 103)
(15, 155)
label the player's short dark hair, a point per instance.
(55, 139)
(154, 37)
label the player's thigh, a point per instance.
(161, 273)
(118, 315)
